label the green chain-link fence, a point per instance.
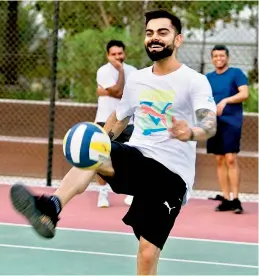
(27, 72)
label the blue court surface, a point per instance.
(88, 252)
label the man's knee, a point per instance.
(148, 253)
(231, 159)
(221, 160)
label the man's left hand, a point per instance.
(102, 92)
(180, 130)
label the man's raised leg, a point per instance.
(42, 211)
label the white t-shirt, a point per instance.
(154, 100)
(107, 76)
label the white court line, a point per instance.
(131, 234)
(122, 255)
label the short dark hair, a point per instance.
(114, 42)
(155, 14)
(220, 48)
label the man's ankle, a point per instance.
(56, 203)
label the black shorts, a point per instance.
(158, 193)
(125, 135)
(226, 140)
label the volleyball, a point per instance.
(86, 145)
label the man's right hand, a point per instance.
(115, 63)
(220, 107)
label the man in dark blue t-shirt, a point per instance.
(230, 88)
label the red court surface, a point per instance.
(197, 219)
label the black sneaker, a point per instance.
(39, 211)
(225, 205)
(217, 197)
(236, 206)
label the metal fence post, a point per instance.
(53, 92)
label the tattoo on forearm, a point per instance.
(207, 120)
(111, 134)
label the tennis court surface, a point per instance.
(93, 241)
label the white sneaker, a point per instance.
(103, 201)
(128, 200)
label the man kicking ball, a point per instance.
(173, 108)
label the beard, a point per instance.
(159, 55)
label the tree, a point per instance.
(79, 59)
(204, 15)
(84, 24)
(76, 17)
(253, 22)
(29, 59)
(11, 44)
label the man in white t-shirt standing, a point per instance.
(173, 108)
(111, 79)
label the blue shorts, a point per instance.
(226, 140)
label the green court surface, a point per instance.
(83, 252)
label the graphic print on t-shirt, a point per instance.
(156, 111)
